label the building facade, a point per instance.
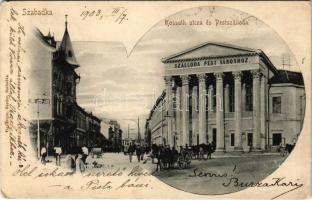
(62, 121)
(230, 96)
(156, 123)
(114, 136)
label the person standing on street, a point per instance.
(138, 152)
(43, 155)
(160, 157)
(85, 153)
(58, 152)
(80, 167)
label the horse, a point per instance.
(289, 148)
(195, 151)
(205, 149)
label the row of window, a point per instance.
(59, 80)
(276, 103)
(59, 108)
(276, 139)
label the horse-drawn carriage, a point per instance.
(170, 159)
(202, 151)
(284, 150)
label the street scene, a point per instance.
(212, 172)
(206, 116)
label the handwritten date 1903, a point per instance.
(119, 14)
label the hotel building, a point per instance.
(230, 96)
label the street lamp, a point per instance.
(39, 101)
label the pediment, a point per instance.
(210, 50)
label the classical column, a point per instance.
(185, 109)
(210, 98)
(169, 110)
(202, 108)
(256, 108)
(219, 112)
(174, 116)
(194, 114)
(263, 111)
(210, 109)
(227, 98)
(244, 97)
(178, 116)
(238, 110)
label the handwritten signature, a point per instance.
(231, 180)
(277, 182)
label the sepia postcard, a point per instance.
(155, 100)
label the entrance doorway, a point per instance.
(197, 139)
(277, 139)
(214, 136)
(250, 139)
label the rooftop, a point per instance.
(286, 76)
(212, 50)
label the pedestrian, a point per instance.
(201, 151)
(282, 149)
(209, 150)
(181, 149)
(43, 155)
(71, 162)
(85, 153)
(57, 153)
(162, 157)
(154, 152)
(138, 152)
(174, 156)
(80, 167)
(158, 159)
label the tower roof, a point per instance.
(66, 48)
